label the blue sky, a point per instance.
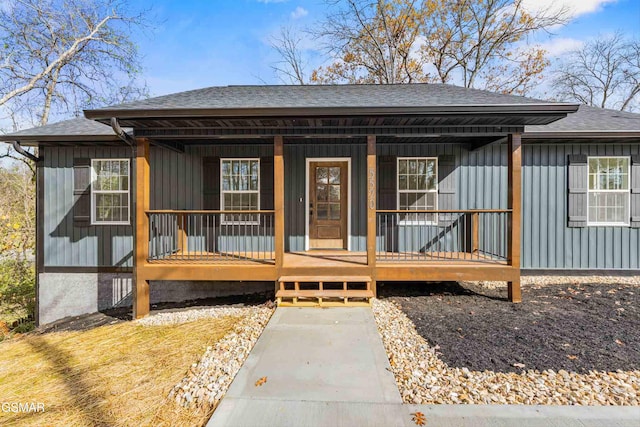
(203, 43)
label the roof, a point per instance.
(587, 121)
(590, 120)
(68, 130)
(319, 109)
(322, 96)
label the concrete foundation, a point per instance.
(72, 294)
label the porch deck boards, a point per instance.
(329, 263)
(218, 258)
(337, 258)
(328, 258)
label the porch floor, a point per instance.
(396, 268)
(223, 258)
(328, 258)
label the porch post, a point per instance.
(514, 202)
(278, 202)
(141, 290)
(371, 207)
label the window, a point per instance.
(608, 201)
(240, 189)
(418, 188)
(110, 191)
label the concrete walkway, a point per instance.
(324, 367)
(328, 367)
(528, 415)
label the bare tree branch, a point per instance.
(474, 43)
(60, 56)
(291, 69)
(65, 56)
(371, 41)
(604, 73)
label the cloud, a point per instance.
(557, 46)
(272, 1)
(575, 7)
(300, 12)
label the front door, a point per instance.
(328, 211)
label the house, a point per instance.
(326, 191)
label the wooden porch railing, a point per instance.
(207, 235)
(442, 235)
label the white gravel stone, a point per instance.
(206, 382)
(425, 379)
(184, 316)
(539, 281)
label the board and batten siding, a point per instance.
(547, 241)
(176, 178)
(176, 182)
(481, 183)
(66, 245)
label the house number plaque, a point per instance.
(372, 188)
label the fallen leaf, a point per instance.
(419, 418)
(572, 357)
(261, 381)
(619, 342)
(519, 365)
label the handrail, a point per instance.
(185, 211)
(214, 236)
(478, 235)
(445, 211)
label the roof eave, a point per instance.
(32, 140)
(507, 109)
(582, 134)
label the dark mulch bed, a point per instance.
(118, 315)
(572, 327)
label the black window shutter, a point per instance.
(387, 177)
(266, 183)
(635, 191)
(577, 200)
(446, 188)
(388, 200)
(81, 192)
(211, 183)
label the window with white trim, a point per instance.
(240, 189)
(418, 188)
(608, 191)
(110, 198)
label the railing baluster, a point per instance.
(463, 235)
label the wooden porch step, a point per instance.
(324, 297)
(329, 293)
(329, 279)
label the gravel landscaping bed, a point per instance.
(577, 327)
(207, 381)
(481, 349)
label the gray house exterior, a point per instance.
(84, 266)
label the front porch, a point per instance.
(399, 244)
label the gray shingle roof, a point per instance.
(592, 119)
(586, 119)
(327, 96)
(74, 128)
